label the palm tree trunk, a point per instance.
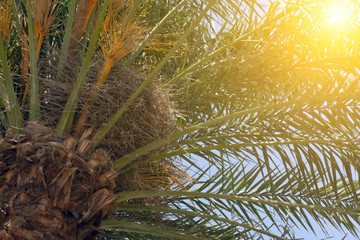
(51, 188)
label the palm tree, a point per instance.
(178, 119)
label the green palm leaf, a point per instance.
(265, 130)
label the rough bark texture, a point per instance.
(51, 188)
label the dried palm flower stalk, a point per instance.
(115, 8)
(44, 13)
(6, 20)
(117, 43)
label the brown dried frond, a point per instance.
(6, 20)
(90, 7)
(82, 15)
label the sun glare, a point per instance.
(340, 14)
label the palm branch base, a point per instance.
(51, 187)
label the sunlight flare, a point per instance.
(340, 14)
